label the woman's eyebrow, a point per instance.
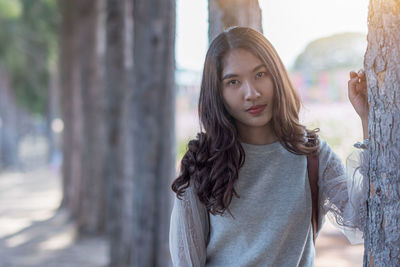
(259, 67)
(227, 76)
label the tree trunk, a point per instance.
(153, 135)
(93, 197)
(382, 65)
(118, 84)
(223, 14)
(71, 103)
(51, 113)
(8, 124)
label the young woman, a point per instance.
(243, 195)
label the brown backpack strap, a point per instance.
(312, 168)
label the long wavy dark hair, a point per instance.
(212, 161)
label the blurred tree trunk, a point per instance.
(118, 87)
(71, 103)
(93, 197)
(223, 14)
(52, 112)
(382, 64)
(8, 124)
(153, 135)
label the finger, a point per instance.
(353, 74)
(361, 75)
(353, 81)
(363, 85)
(351, 84)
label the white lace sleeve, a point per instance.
(343, 191)
(188, 231)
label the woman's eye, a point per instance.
(260, 74)
(233, 82)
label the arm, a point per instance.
(343, 192)
(365, 128)
(358, 96)
(188, 231)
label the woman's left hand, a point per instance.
(358, 95)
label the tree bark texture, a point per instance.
(382, 65)
(223, 14)
(153, 135)
(118, 85)
(71, 103)
(93, 197)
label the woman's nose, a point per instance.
(251, 92)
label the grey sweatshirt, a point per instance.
(272, 218)
(272, 224)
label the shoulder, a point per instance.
(326, 153)
(324, 147)
(328, 159)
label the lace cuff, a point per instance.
(343, 191)
(188, 231)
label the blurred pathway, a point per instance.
(334, 250)
(32, 233)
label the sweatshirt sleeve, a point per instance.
(343, 191)
(188, 231)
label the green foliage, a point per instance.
(10, 9)
(28, 48)
(182, 148)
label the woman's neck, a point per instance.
(258, 136)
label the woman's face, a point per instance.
(247, 90)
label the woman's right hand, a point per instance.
(358, 96)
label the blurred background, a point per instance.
(44, 220)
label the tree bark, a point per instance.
(51, 113)
(223, 14)
(118, 85)
(93, 197)
(153, 134)
(8, 124)
(71, 103)
(382, 65)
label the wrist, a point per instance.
(364, 122)
(365, 134)
(364, 119)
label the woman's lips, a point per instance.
(255, 110)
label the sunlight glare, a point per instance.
(59, 241)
